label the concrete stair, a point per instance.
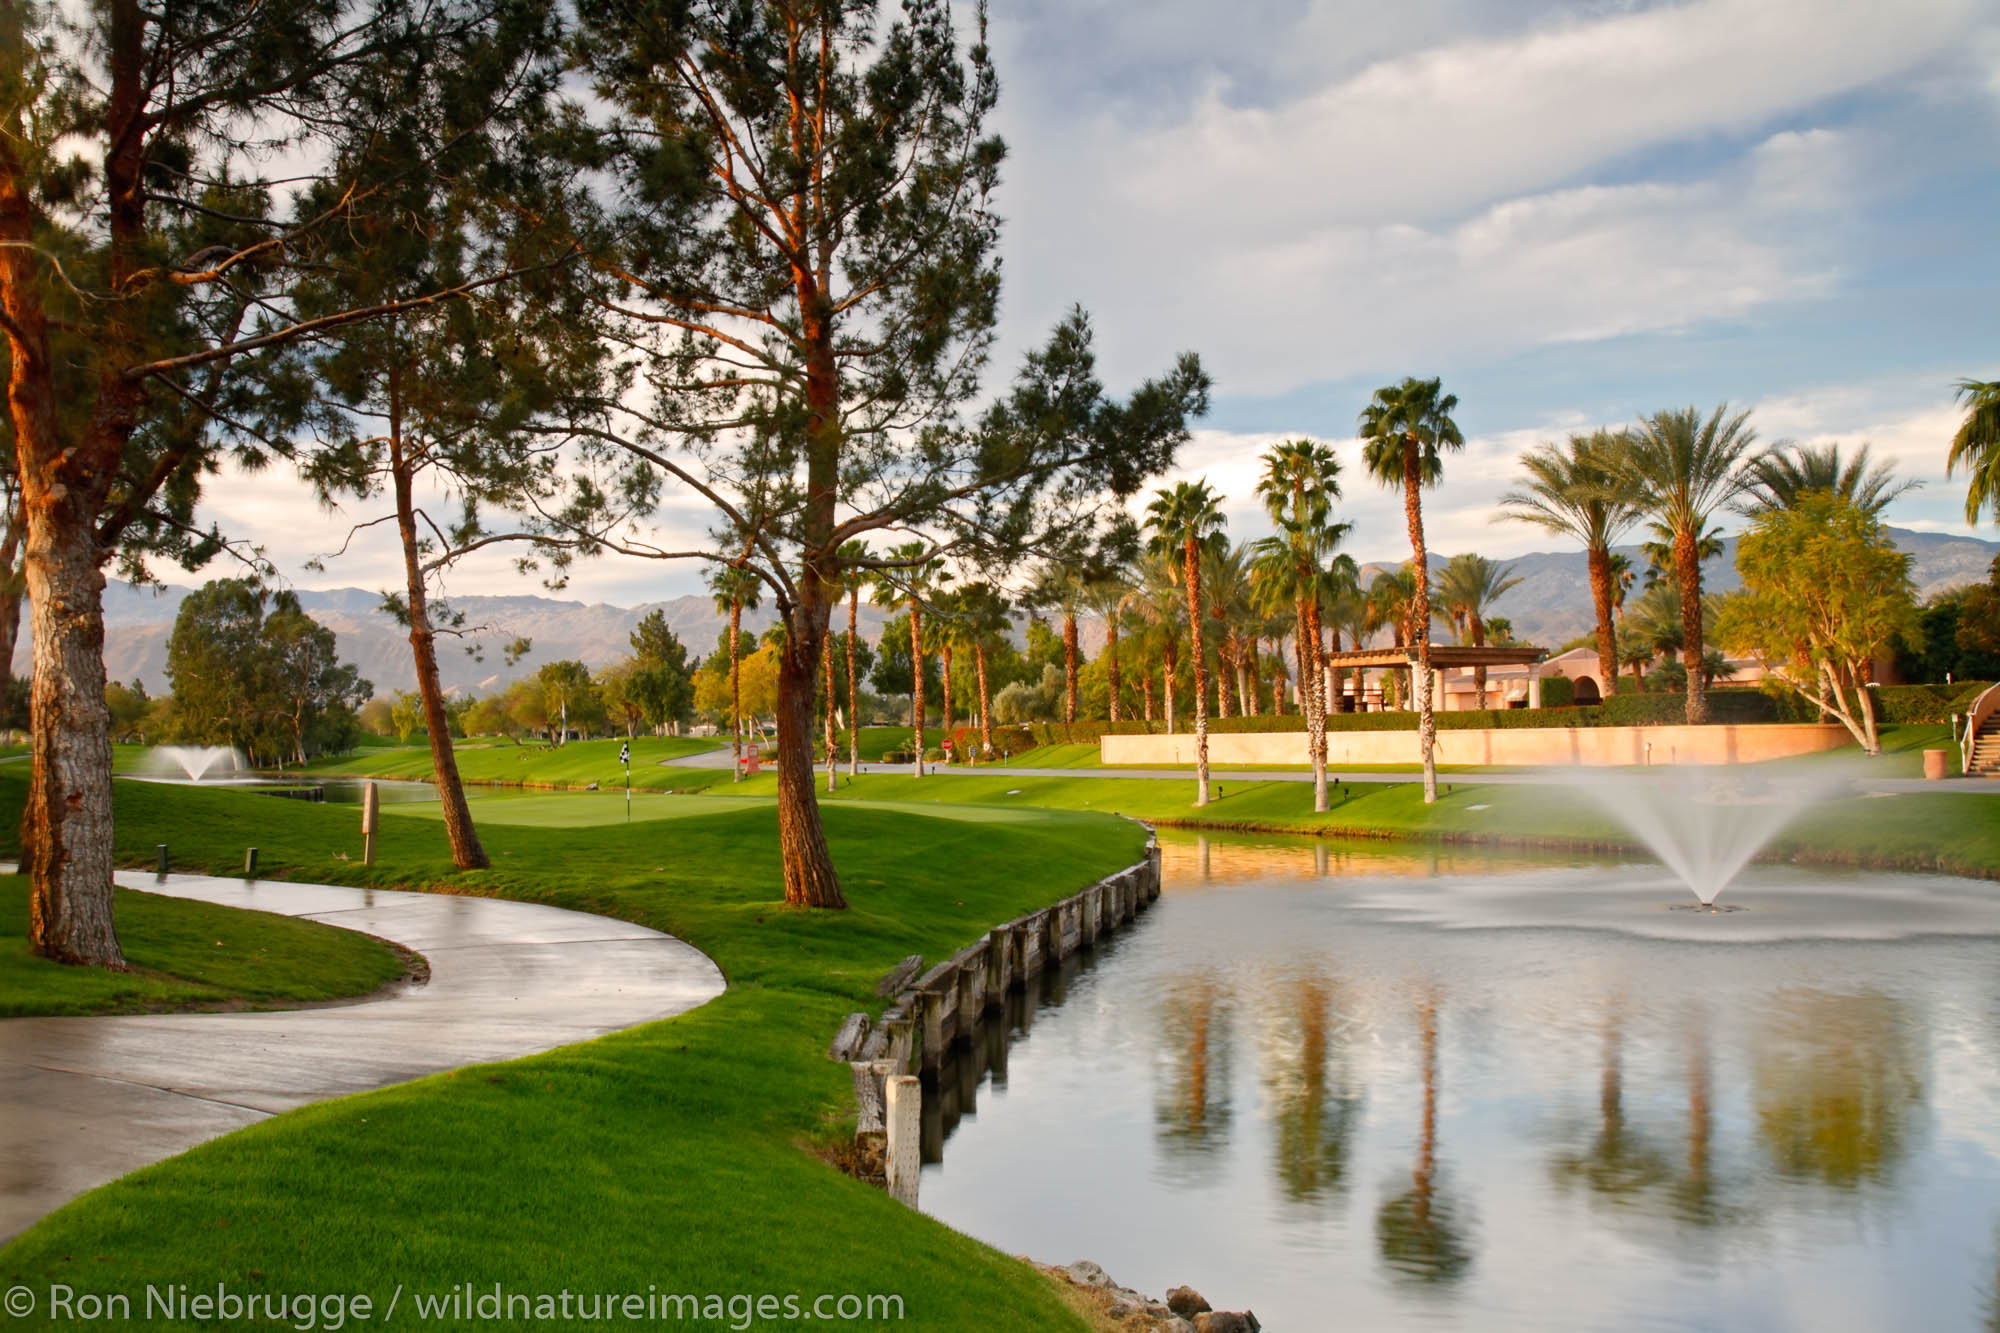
(1986, 749)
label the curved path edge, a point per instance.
(86, 1100)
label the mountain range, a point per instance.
(1550, 605)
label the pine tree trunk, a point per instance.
(1687, 565)
(1200, 672)
(1420, 563)
(735, 690)
(916, 689)
(810, 880)
(1607, 633)
(1111, 661)
(66, 824)
(1069, 666)
(66, 828)
(466, 852)
(853, 685)
(985, 699)
(832, 733)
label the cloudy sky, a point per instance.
(1573, 211)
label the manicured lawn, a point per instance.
(1958, 830)
(678, 1154)
(577, 764)
(190, 955)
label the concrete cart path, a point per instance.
(86, 1100)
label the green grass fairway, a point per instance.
(1956, 831)
(576, 764)
(679, 1154)
(190, 955)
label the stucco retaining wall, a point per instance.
(1527, 746)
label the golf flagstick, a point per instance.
(625, 758)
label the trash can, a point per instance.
(1934, 764)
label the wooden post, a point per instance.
(904, 1153)
(371, 811)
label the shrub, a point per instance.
(1926, 704)
(1007, 741)
(1558, 691)
(896, 756)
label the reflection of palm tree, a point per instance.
(1314, 1124)
(1835, 1086)
(1695, 1193)
(1618, 1164)
(1416, 1231)
(1193, 1111)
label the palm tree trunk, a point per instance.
(944, 665)
(1478, 628)
(832, 733)
(853, 686)
(1146, 690)
(1313, 697)
(735, 691)
(1246, 675)
(916, 689)
(1225, 695)
(1172, 656)
(1111, 661)
(1308, 633)
(1420, 565)
(985, 699)
(1069, 666)
(1278, 677)
(1607, 633)
(1200, 672)
(1687, 564)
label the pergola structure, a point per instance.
(1447, 657)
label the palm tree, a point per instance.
(911, 575)
(1652, 629)
(1391, 603)
(984, 615)
(1225, 576)
(1104, 597)
(1300, 483)
(1977, 445)
(1576, 489)
(1348, 614)
(1683, 468)
(1468, 585)
(736, 590)
(1406, 429)
(1188, 519)
(853, 557)
(1060, 588)
(1339, 589)
(1156, 603)
(1777, 479)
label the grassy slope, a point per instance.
(672, 1154)
(190, 955)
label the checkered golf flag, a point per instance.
(625, 753)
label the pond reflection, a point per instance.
(1419, 1231)
(1274, 1091)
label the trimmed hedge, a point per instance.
(1927, 704)
(1008, 741)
